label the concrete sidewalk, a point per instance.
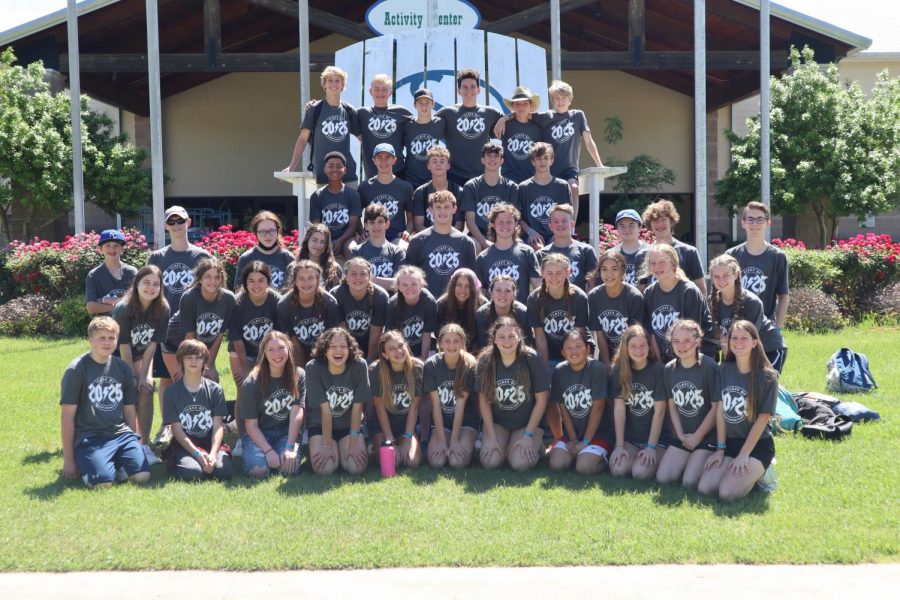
(634, 583)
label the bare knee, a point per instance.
(493, 462)
(707, 487)
(666, 477)
(560, 461)
(141, 477)
(258, 472)
(460, 461)
(642, 473)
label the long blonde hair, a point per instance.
(623, 361)
(466, 362)
(670, 253)
(759, 364)
(385, 370)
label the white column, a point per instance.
(700, 128)
(593, 179)
(75, 97)
(303, 184)
(765, 161)
(156, 149)
(555, 43)
(303, 24)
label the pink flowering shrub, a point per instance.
(228, 245)
(850, 270)
(609, 237)
(58, 270)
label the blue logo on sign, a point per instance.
(420, 79)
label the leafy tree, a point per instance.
(643, 181)
(36, 151)
(832, 151)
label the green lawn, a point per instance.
(836, 502)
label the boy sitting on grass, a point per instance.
(98, 402)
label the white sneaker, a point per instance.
(163, 436)
(152, 459)
(238, 449)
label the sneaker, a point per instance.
(163, 437)
(152, 459)
(238, 449)
(769, 481)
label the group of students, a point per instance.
(531, 163)
(365, 353)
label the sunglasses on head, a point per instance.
(175, 221)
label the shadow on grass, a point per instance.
(50, 491)
(41, 457)
(756, 502)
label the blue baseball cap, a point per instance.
(628, 213)
(384, 147)
(111, 235)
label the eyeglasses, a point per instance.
(266, 231)
(177, 221)
(755, 220)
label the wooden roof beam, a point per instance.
(531, 16)
(319, 18)
(738, 60)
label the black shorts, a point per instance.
(709, 443)
(159, 365)
(662, 443)
(764, 451)
(777, 358)
(336, 434)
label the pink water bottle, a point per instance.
(387, 458)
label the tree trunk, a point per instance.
(26, 222)
(5, 224)
(818, 207)
(832, 228)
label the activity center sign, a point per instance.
(393, 16)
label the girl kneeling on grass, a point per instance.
(512, 397)
(748, 387)
(396, 381)
(337, 380)
(640, 407)
(690, 381)
(449, 381)
(272, 404)
(579, 384)
(195, 409)
(143, 318)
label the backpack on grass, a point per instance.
(848, 372)
(822, 422)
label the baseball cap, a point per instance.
(175, 211)
(422, 93)
(111, 235)
(384, 147)
(628, 213)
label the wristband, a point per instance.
(407, 436)
(196, 454)
(651, 446)
(586, 442)
(720, 446)
(354, 433)
(528, 434)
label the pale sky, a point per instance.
(875, 19)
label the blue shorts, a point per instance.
(100, 458)
(254, 457)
